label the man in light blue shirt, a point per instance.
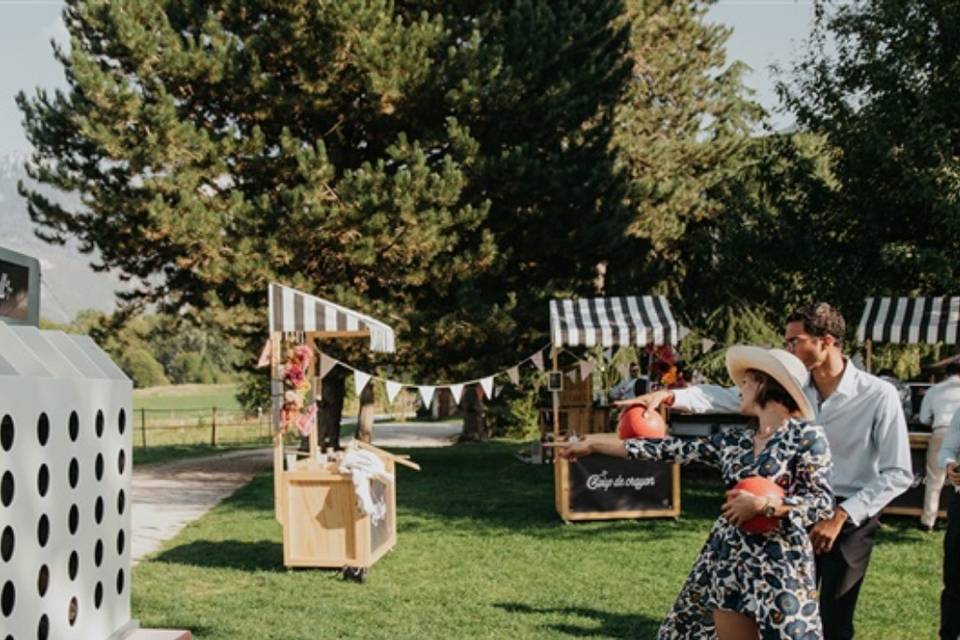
(865, 427)
(950, 598)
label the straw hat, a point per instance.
(780, 365)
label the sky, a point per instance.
(765, 32)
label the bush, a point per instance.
(192, 368)
(143, 368)
(514, 414)
(254, 391)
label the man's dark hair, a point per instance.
(820, 319)
(769, 390)
(952, 368)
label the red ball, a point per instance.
(635, 423)
(763, 488)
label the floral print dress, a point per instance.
(767, 576)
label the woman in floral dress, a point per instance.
(751, 585)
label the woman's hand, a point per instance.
(741, 506)
(650, 400)
(572, 450)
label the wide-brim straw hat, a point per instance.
(782, 366)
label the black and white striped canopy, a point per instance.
(612, 322)
(292, 310)
(911, 320)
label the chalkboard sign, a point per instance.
(19, 288)
(605, 484)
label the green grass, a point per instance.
(481, 553)
(169, 453)
(187, 397)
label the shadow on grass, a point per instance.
(262, 555)
(611, 625)
(486, 486)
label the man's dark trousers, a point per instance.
(840, 574)
(950, 598)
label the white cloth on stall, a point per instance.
(362, 467)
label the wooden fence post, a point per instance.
(143, 427)
(213, 429)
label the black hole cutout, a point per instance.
(73, 610)
(43, 429)
(43, 629)
(122, 461)
(7, 598)
(98, 424)
(43, 580)
(6, 489)
(119, 581)
(98, 467)
(43, 480)
(121, 502)
(121, 539)
(73, 519)
(98, 595)
(122, 421)
(98, 510)
(73, 565)
(73, 426)
(6, 544)
(73, 474)
(43, 530)
(98, 553)
(6, 433)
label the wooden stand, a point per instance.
(658, 492)
(910, 503)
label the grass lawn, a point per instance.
(481, 553)
(187, 396)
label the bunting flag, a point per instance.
(456, 390)
(265, 353)
(426, 392)
(487, 385)
(360, 380)
(326, 364)
(706, 344)
(497, 389)
(393, 388)
(572, 375)
(586, 368)
(607, 353)
(537, 360)
(514, 374)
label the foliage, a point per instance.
(142, 367)
(514, 413)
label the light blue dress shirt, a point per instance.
(865, 427)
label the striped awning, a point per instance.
(611, 322)
(911, 320)
(292, 310)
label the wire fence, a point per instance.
(213, 426)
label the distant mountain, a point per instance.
(69, 284)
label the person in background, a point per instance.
(939, 405)
(887, 375)
(864, 424)
(950, 597)
(629, 386)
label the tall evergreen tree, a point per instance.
(885, 99)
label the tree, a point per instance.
(886, 101)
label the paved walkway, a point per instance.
(168, 496)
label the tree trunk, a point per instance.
(474, 415)
(330, 407)
(365, 415)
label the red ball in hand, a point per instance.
(636, 423)
(763, 488)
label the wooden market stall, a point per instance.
(601, 487)
(932, 320)
(314, 502)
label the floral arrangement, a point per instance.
(296, 386)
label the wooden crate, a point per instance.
(322, 523)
